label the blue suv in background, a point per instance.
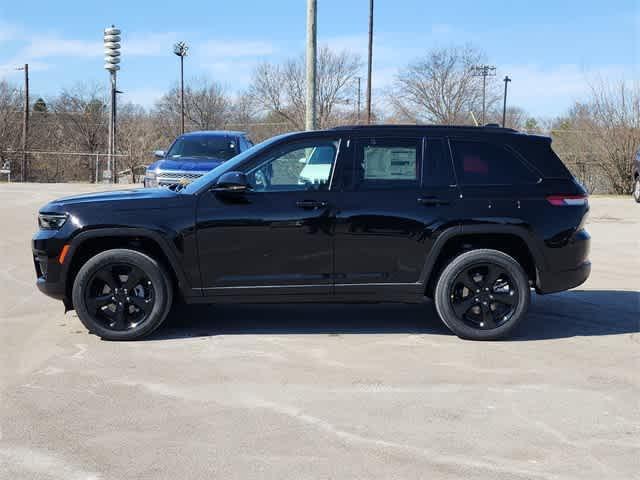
(192, 155)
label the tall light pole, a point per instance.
(358, 100)
(312, 48)
(112, 59)
(504, 105)
(484, 71)
(25, 123)
(369, 61)
(180, 49)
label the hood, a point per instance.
(186, 164)
(142, 195)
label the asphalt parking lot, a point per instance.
(297, 392)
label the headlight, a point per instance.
(150, 179)
(51, 221)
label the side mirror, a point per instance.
(232, 182)
(159, 154)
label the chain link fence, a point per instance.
(60, 167)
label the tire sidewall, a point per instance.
(151, 268)
(464, 261)
(636, 190)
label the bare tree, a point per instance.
(10, 119)
(441, 88)
(603, 132)
(207, 107)
(81, 117)
(280, 89)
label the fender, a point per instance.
(462, 230)
(156, 237)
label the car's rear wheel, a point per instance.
(636, 190)
(122, 294)
(482, 295)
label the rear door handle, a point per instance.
(431, 201)
(309, 204)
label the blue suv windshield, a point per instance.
(203, 146)
(229, 166)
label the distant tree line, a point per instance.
(597, 137)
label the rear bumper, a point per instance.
(551, 282)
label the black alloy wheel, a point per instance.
(482, 294)
(122, 294)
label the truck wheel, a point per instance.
(636, 190)
(122, 294)
(482, 295)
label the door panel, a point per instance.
(276, 239)
(389, 218)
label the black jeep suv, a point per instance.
(471, 217)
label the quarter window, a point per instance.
(479, 163)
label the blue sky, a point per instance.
(551, 49)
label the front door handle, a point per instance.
(431, 201)
(309, 204)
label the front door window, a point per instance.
(304, 166)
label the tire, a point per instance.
(636, 190)
(122, 294)
(491, 290)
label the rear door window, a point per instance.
(482, 163)
(387, 162)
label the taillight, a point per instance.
(568, 200)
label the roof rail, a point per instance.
(415, 125)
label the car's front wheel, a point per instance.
(482, 295)
(122, 294)
(636, 190)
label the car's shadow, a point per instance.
(567, 314)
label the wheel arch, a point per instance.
(512, 240)
(90, 243)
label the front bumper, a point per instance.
(50, 274)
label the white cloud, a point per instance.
(149, 44)
(54, 46)
(8, 32)
(146, 97)
(552, 90)
(234, 49)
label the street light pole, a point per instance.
(369, 61)
(484, 71)
(180, 49)
(504, 105)
(358, 101)
(112, 60)
(312, 50)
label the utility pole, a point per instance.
(504, 105)
(112, 59)
(25, 123)
(369, 61)
(358, 101)
(484, 71)
(312, 47)
(180, 49)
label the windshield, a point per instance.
(229, 166)
(203, 146)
